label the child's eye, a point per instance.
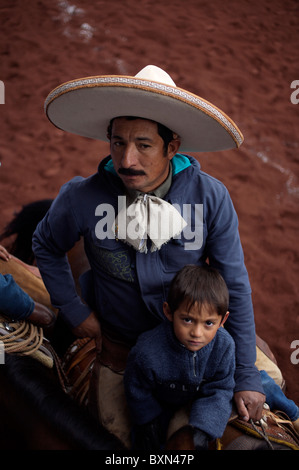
(187, 320)
(209, 323)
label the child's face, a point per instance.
(194, 328)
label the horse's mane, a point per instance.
(23, 226)
(41, 391)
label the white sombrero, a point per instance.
(85, 107)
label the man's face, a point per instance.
(138, 153)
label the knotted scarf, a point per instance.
(148, 217)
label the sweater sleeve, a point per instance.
(142, 404)
(55, 235)
(226, 255)
(15, 303)
(211, 411)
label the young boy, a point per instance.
(187, 359)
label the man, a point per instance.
(147, 212)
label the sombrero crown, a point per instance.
(85, 107)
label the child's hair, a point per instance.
(199, 284)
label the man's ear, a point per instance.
(224, 319)
(167, 311)
(173, 147)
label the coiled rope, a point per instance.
(25, 339)
(21, 337)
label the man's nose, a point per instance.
(129, 157)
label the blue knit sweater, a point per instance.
(161, 373)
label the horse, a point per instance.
(22, 227)
(20, 231)
(36, 414)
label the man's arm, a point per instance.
(55, 235)
(16, 304)
(226, 254)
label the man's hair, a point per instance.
(199, 284)
(163, 131)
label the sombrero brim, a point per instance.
(86, 106)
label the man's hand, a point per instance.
(4, 253)
(249, 405)
(90, 328)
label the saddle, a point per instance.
(274, 431)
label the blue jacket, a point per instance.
(14, 302)
(163, 374)
(130, 287)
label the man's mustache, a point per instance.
(130, 172)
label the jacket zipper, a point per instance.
(194, 363)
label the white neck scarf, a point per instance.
(148, 217)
